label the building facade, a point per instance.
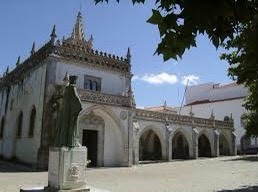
(223, 102)
(115, 132)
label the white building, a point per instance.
(114, 131)
(221, 102)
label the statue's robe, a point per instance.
(67, 134)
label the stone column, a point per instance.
(169, 147)
(135, 142)
(234, 148)
(195, 133)
(130, 139)
(169, 131)
(136, 152)
(216, 143)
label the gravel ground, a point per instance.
(239, 174)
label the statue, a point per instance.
(67, 134)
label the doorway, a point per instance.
(90, 140)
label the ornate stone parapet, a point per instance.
(181, 119)
(102, 98)
(93, 58)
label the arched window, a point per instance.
(19, 124)
(88, 84)
(32, 121)
(94, 86)
(2, 128)
(92, 83)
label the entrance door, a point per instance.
(90, 140)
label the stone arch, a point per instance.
(224, 147)
(204, 146)
(160, 136)
(180, 145)
(149, 146)
(109, 134)
(109, 112)
(32, 122)
(19, 125)
(245, 142)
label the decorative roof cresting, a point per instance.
(77, 36)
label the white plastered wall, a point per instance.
(111, 82)
(22, 97)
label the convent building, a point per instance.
(115, 132)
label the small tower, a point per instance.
(130, 92)
(33, 48)
(128, 55)
(53, 35)
(91, 40)
(78, 33)
(7, 70)
(77, 36)
(165, 105)
(231, 118)
(212, 115)
(18, 61)
(66, 79)
(191, 111)
(133, 102)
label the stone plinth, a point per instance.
(66, 169)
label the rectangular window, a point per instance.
(92, 83)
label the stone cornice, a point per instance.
(102, 98)
(181, 119)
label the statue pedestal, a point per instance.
(66, 169)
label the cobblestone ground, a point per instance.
(239, 174)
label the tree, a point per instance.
(231, 24)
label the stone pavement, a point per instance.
(239, 174)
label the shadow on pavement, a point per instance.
(12, 167)
(245, 158)
(244, 189)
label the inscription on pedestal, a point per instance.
(74, 173)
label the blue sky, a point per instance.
(114, 28)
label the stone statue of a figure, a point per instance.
(67, 134)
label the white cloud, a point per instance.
(192, 79)
(166, 78)
(135, 77)
(161, 78)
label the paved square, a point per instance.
(211, 174)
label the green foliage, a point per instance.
(231, 24)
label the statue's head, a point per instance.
(73, 79)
